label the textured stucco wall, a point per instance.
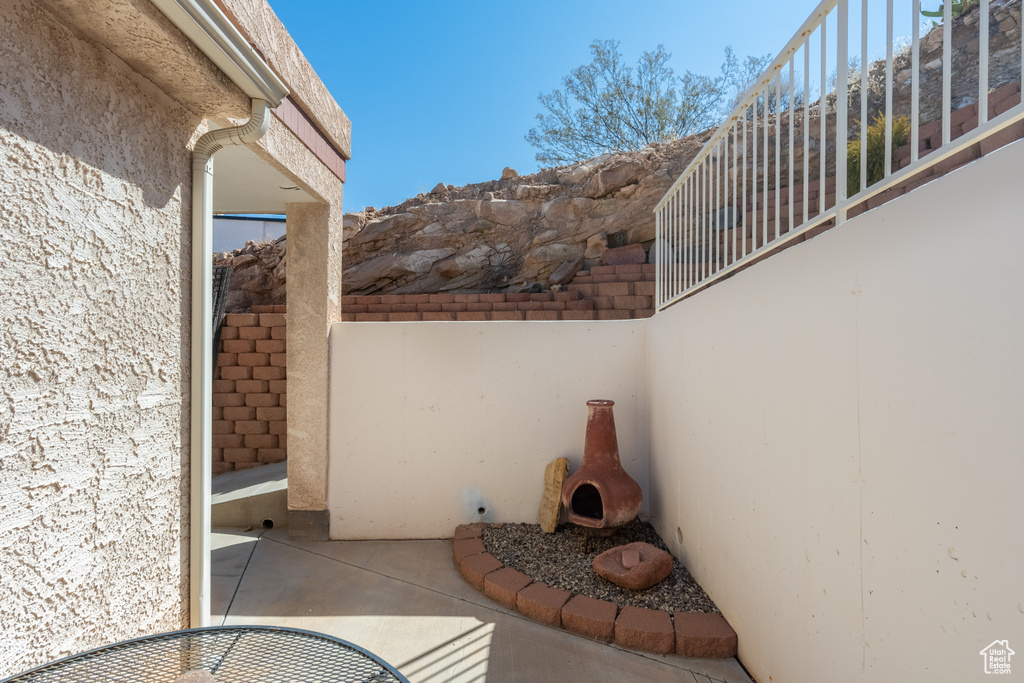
(836, 438)
(94, 197)
(434, 421)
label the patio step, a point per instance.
(256, 497)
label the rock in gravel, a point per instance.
(636, 566)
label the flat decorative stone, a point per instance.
(649, 630)
(503, 585)
(475, 567)
(551, 501)
(590, 617)
(653, 567)
(542, 603)
(704, 635)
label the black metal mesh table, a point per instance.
(222, 654)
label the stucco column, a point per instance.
(314, 302)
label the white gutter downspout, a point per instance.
(207, 27)
(202, 346)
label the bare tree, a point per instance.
(606, 106)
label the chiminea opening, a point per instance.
(586, 502)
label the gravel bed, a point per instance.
(558, 560)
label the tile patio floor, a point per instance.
(405, 601)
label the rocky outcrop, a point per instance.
(518, 232)
(257, 276)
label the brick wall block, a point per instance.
(273, 319)
(261, 400)
(278, 332)
(271, 413)
(228, 332)
(228, 399)
(223, 427)
(240, 319)
(251, 386)
(279, 427)
(233, 372)
(240, 413)
(610, 289)
(254, 333)
(270, 346)
(279, 360)
(631, 302)
(253, 359)
(251, 427)
(260, 440)
(278, 386)
(269, 372)
(239, 345)
(228, 441)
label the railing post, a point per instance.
(842, 106)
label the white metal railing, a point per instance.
(777, 168)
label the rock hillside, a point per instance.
(518, 232)
(257, 275)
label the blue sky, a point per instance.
(445, 92)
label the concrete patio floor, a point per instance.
(405, 601)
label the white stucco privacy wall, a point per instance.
(836, 439)
(431, 422)
(94, 174)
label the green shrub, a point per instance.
(875, 151)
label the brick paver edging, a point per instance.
(690, 634)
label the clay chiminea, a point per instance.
(600, 495)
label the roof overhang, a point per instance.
(205, 25)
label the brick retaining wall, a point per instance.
(603, 293)
(250, 395)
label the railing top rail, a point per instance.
(750, 95)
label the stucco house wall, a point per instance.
(100, 105)
(94, 211)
